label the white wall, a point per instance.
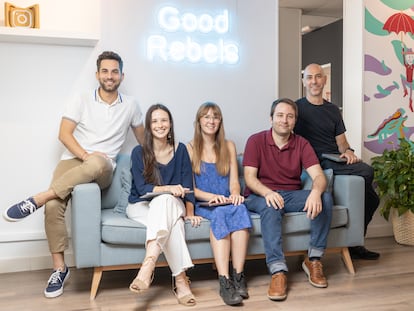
(353, 73)
(36, 79)
(290, 53)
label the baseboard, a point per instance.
(29, 255)
(8, 265)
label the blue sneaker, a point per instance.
(55, 284)
(20, 210)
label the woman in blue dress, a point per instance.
(216, 183)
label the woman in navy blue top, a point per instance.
(163, 168)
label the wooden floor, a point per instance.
(386, 284)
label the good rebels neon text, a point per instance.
(201, 38)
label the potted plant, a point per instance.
(394, 179)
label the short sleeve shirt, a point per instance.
(100, 126)
(319, 124)
(278, 169)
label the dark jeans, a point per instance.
(271, 225)
(367, 172)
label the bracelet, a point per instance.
(349, 148)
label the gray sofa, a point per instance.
(105, 239)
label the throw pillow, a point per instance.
(307, 181)
(126, 180)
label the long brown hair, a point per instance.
(220, 145)
(151, 172)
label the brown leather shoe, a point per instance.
(277, 287)
(315, 273)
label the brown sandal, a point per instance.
(145, 275)
(186, 300)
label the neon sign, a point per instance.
(187, 37)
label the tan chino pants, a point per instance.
(67, 175)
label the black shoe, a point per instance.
(228, 292)
(240, 284)
(360, 252)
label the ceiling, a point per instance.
(315, 13)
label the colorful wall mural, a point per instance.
(388, 74)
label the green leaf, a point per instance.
(394, 178)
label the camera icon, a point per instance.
(22, 18)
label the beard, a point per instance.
(109, 88)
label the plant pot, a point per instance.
(403, 227)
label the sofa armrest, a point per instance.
(349, 191)
(86, 225)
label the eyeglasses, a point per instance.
(211, 118)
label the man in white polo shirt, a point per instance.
(93, 129)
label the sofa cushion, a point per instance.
(110, 195)
(307, 181)
(126, 180)
(118, 229)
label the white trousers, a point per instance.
(163, 218)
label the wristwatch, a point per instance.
(349, 148)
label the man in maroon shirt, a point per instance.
(273, 162)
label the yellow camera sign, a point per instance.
(21, 17)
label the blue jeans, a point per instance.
(271, 225)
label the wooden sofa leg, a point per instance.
(346, 257)
(96, 279)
